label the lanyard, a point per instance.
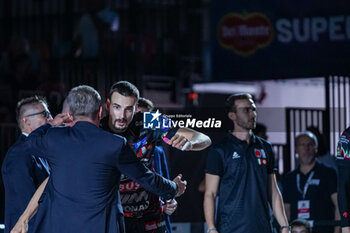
(306, 186)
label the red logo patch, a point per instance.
(245, 33)
(257, 153)
(345, 214)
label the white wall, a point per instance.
(301, 93)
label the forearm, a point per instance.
(209, 209)
(199, 141)
(276, 201)
(278, 209)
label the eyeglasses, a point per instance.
(46, 114)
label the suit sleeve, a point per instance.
(129, 165)
(37, 142)
(21, 183)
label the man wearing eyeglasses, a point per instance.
(23, 172)
(310, 190)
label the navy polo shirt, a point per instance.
(243, 192)
(323, 185)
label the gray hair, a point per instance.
(83, 101)
(308, 134)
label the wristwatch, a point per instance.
(211, 229)
(286, 227)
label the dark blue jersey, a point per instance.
(243, 192)
(138, 202)
(343, 163)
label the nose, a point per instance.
(121, 114)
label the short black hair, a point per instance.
(124, 88)
(230, 101)
(301, 223)
(145, 103)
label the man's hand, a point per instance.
(180, 142)
(61, 119)
(181, 185)
(345, 230)
(170, 206)
(20, 227)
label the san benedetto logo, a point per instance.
(244, 33)
(155, 120)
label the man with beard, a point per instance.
(143, 211)
(240, 170)
(310, 191)
(82, 194)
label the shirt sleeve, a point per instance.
(165, 132)
(271, 166)
(131, 166)
(215, 164)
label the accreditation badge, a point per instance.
(304, 209)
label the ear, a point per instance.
(100, 113)
(108, 102)
(231, 116)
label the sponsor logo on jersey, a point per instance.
(235, 155)
(260, 153)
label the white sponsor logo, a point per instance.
(235, 155)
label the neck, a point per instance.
(306, 168)
(243, 135)
(83, 118)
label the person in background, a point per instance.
(22, 171)
(300, 226)
(310, 190)
(260, 131)
(160, 164)
(241, 170)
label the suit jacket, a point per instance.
(22, 173)
(82, 194)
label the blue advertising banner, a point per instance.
(252, 40)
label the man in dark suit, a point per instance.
(23, 172)
(82, 193)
